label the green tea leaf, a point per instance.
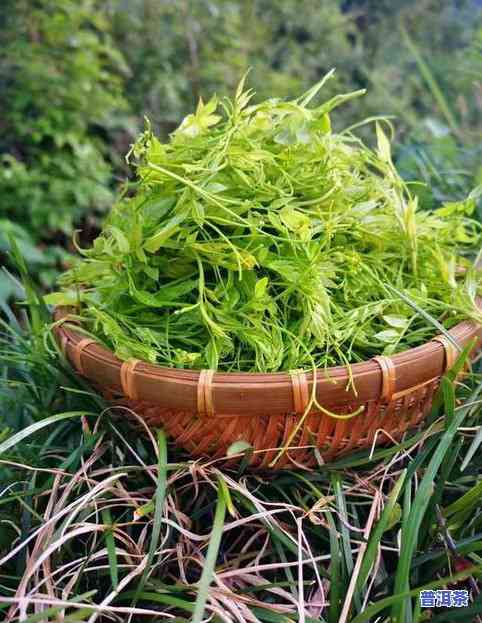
(257, 239)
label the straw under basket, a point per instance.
(206, 411)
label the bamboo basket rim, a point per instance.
(243, 393)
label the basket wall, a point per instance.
(206, 412)
(380, 422)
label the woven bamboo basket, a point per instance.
(206, 411)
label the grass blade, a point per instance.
(161, 598)
(158, 508)
(33, 428)
(211, 556)
(430, 319)
(368, 615)
(336, 585)
(473, 496)
(474, 446)
(432, 84)
(409, 537)
(375, 537)
(110, 545)
(52, 611)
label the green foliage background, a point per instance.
(76, 79)
(78, 76)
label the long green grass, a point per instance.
(99, 522)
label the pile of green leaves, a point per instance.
(257, 239)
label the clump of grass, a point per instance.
(258, 239)
(100, 524)
(111, 534)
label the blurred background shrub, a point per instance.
(61, 92)
(78, 76)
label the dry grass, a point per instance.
(101, 523)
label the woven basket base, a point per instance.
(379, 423)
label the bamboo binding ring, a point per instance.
(450, 351)
(127, 378)
(301, 395)
(205, 403)
(78, 350)
(388, 377)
